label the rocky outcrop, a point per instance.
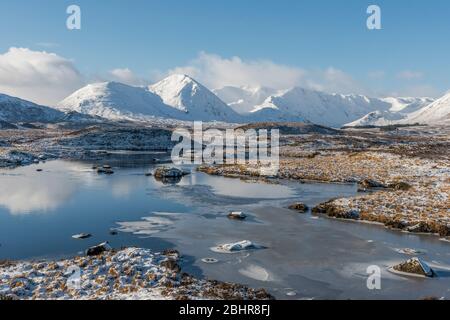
(333, 210)
(415, 266)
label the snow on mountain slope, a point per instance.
(244, 99)
(377, 118)
(115, 101)
(400, 110)
(407, 105)
(16, 110)
(435, 113)
(300, 104)
(198, 103)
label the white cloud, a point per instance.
(333, 80)
(215, 71)
(417, 91)
(409, 75)
(125, 75)
(42, 77)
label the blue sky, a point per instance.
(149, 37)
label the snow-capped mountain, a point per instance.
(435, 113)
(244, 99)
(400, 110)
(192, 98)
(16, 110)
(117, 101)
(332, 110)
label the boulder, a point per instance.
(332, 210)
(82, 236)
(164, 172)
(415, 266)
(98, 249)
(237, 215)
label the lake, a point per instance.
(305, 257)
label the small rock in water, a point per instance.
(82, 236)
(237, 215)
(300, 207)
(210, 260)
(99, 249)
(415, 266)
(409, 251)
(39, 170)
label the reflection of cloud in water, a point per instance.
(22, 195)
(148, 226)
(122, 188)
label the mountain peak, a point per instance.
(189, 96)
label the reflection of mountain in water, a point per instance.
(169, 180)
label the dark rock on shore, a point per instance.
(99, 249)
(421, 227)
(171, 264)
(400, 186)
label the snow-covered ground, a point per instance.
(128, 274)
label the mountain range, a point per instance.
(180, 97)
